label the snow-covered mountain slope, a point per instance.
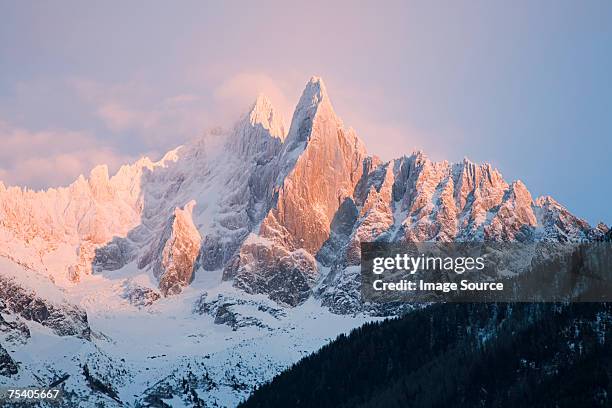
(218, 339)
(203, 274)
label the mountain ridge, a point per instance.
(201, 275)
(286, 187)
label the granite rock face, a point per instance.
(325, 173)
(180, 253)
(14, 330)
(112, 256)
(413, 199)
(317, 170)
(268, 268)
(8, 366)
(224, 311)
(63, 318)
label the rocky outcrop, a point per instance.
(224, 311)
(415, 199)
(112, 256)
(139, 296)
(13, 330)
(327, 168)
(515, 219)
(8, 366)
(318, 169)
(259, 135)
(180, 252)
(265, 267)
(253, 150)
(64, 319)
(558, 223)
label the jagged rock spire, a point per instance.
(263, 113)
(313, 102)
(260, 132)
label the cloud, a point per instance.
(388, 141)
(181, 99)
(150, 119)
(387, 135)
(159, 119)
(236, 93)
(38, 159)
(120, 118)
(393, 139)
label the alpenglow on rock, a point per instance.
(280, 212)
(180, 252)
(318, 168)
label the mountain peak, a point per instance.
(263, 113)
(316, 87)
(315, 93)
(546, 200)
(99, 174)
(261, 131)
(313, 102)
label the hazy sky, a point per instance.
(525, 85)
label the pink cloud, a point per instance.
(363, 108)
(38, 159)
(150, 116)
(119, 118)
(161, 119)
(236, 93)
(181, 99)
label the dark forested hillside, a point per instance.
(460, 355)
